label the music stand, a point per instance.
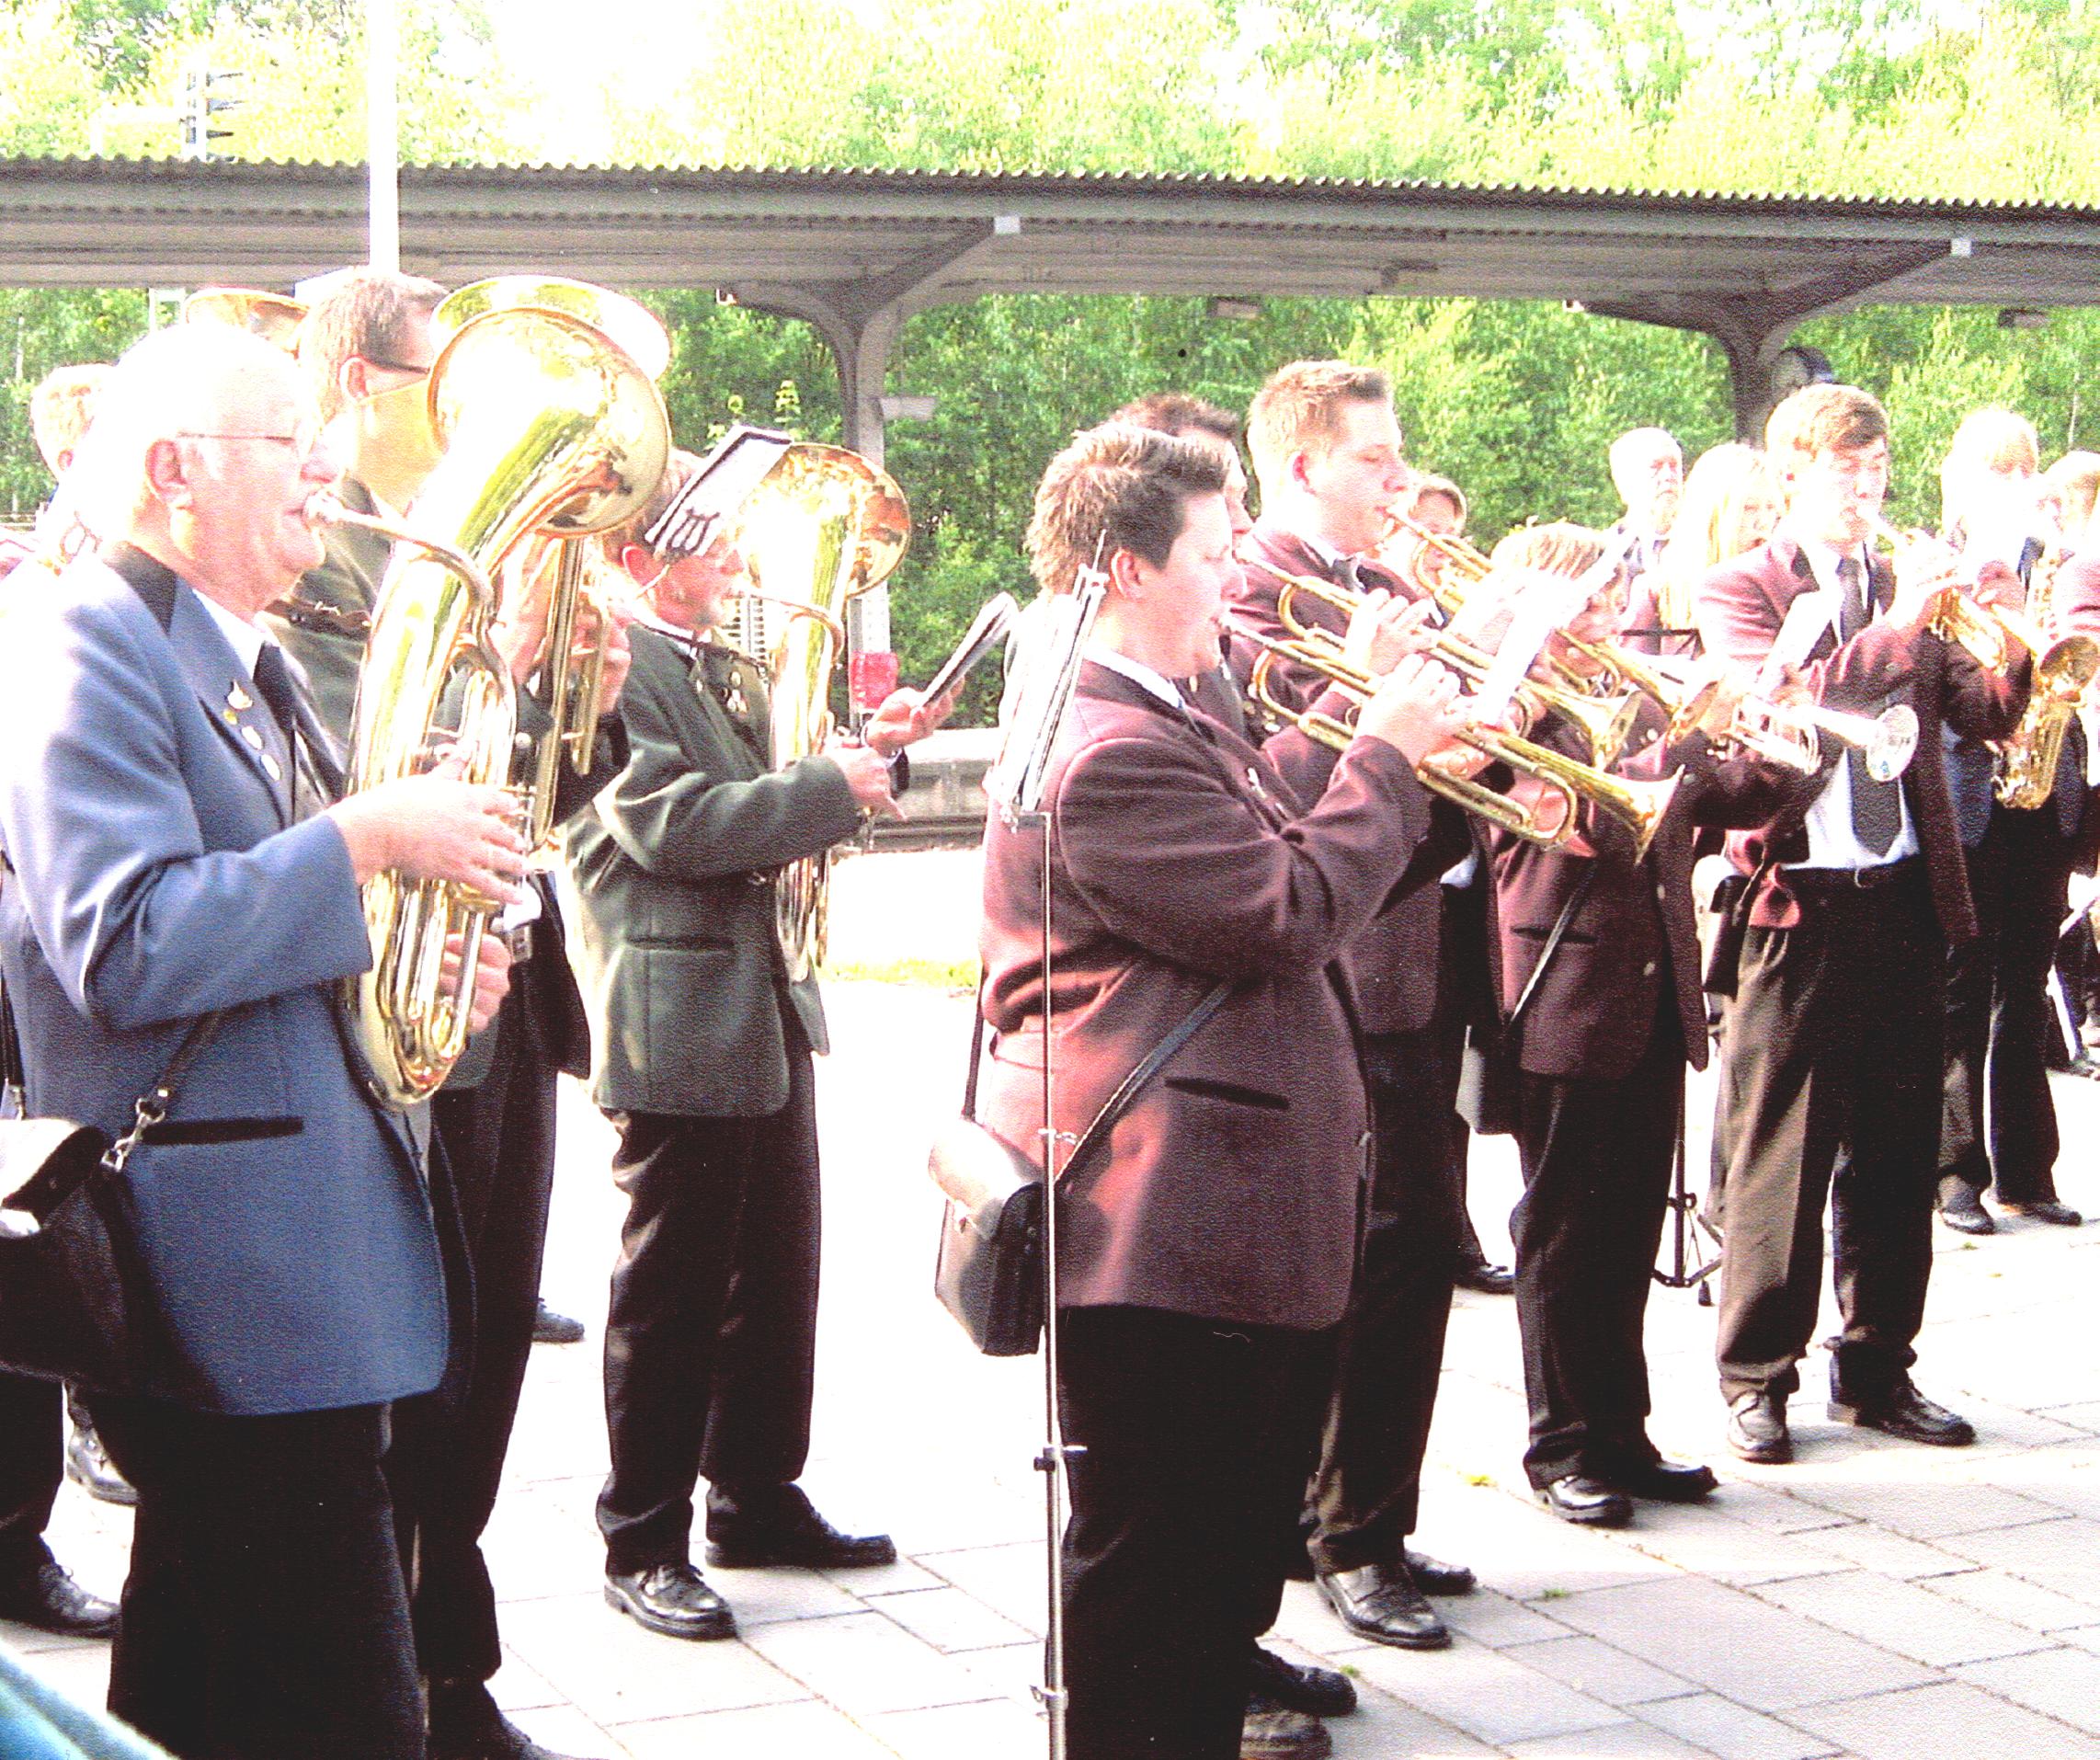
(1014, 785)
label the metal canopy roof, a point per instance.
(856, 251)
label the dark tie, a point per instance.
(280, 692)
(1877, 807)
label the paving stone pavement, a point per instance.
(1874, 1599)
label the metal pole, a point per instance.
(382, 131)
(1055, 1459)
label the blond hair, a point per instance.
(61, 408)
(1299, 410)
(2074, 482)
(1712, 525)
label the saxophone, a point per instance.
(2063, 672)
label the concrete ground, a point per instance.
(1875, 1599)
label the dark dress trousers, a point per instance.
(494, 1120)
(1366, 1492)
(1832, 1047)
(1206, 1255)
(167, 871)
(1602, 1047)
(703, 1059)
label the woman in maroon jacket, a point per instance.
(1602, 1046)
(1205, 1258)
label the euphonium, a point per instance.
(1565, 781)
(274, 317)
(549, 424)
(824, 526)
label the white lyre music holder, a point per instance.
(1014, 784)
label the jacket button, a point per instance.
(1661, 893)
(1648, 971)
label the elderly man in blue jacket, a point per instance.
(167, 807)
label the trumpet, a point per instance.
(1465, 562)
(1993, 637)
(1605, 722)
(1786, 733)
(1565, 781)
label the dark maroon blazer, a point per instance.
(1177, 858)
(1741, 607)
(1394, 962)
(1635, 930)
(2077, 610)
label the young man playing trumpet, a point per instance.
(1327, 451)
(1830, 1049)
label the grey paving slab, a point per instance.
(1008, 1579)
(865, 1665)
(1928, 1511)
(949, 1620)
(2085, 1415)
(1482, 1692)
(1890, 1555)
(1709, 1542)
(2062, 1555)
(1491, 1617)
(803, 1731)
(1716, 1726)
(1614, 1742)
(960, 1732)
(1382, 1728)
(563, 1730)
(1944, 1719)
(759, 1597)
(614, 1672)
(2065, 1683)
(2010, 1597)
(519, 1686)
(1726, 1641)
(1902, 1618)
(1600, 1670)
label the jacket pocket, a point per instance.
(198, 1131)
(1231, 1093)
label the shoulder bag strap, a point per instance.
(151, 1106)
(1560, 924)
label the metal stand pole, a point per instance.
(1685, 1226)
(1056, 1456)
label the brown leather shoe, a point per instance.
(1757, 1429)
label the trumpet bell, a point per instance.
(1887, 753)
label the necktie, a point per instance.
(1877, 807)
(280, 692)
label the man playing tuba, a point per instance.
(703, 1062)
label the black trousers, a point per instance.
(1198, 1435)
(1829, 1089)
(711, 1342)
(264, 1618)
(32, 1463)
(1389, 1351)
(1997, 1120)
(1596, 1159)
(447, 1461)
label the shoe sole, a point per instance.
(1860, 1419)
(1605, 1518)
(691, 1633)
(1437, 1639)
(1312, 1748)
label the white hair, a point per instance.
(1639, 445)
(175, 381)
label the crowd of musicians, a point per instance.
(1436, 837)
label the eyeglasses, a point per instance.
(397, 366)
(302, 444)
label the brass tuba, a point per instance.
(824, 526)
(2063, 672)
(544, 398)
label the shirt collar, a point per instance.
(1138, 673)
(246, 639)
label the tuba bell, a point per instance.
(544, 398)
(824, 526)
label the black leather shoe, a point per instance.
(1433, 1577)
(47, 1598)
(1273, 1731)
(1317, 1692)
(465, 1725)
(786, 1530)
(506, 1741)
(1490, 1280)
(2044, 1210)
(673, 1599)
(1586, 1502)
(550, 1327)
(1962, 1210)
(1665, 1482)
(1907, 1413)
(1381, 1602)
(1757, 1429)
(89, 1465)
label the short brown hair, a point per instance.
(2074, 481)
(1825, 418)
(1116, 487)
(1175, 412)
(1995, 438)
(1425, 486)
(1299, 409)
(363, 313)
(61, 408)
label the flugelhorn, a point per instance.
(1564, 781)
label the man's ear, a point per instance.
(1301, 471)
(166, 473)
(353, 379)
(1125, 575)
(637, 562)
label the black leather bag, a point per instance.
(989, 1269)
(74, 1302)
(1491, 1076)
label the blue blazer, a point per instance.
(159, 875)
